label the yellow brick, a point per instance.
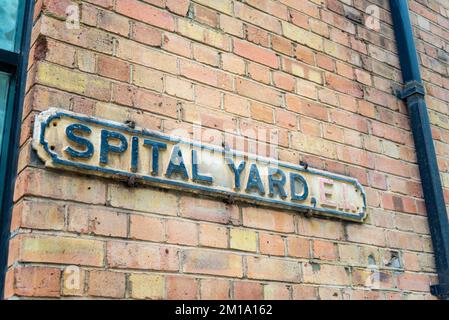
(242, 239)
(191, 30)
(135, 52)
(220, 5)
(147, 200)
(111, 111)
(55, 76)
(216, 39)
(72, 81)
(143, 286)
(302, 36)
(315, 76)
(62, 250)
(313, 145)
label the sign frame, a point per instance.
(40, 144)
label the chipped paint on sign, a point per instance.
(80, 143)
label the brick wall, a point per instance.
(312, 72)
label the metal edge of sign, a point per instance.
(55, 113)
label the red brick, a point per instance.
(212, 263)
(205, 75)
(256, 53)
(343, 85)
(145, 13)
(261, 112)
(284, 81)
(214, 289)
(286, 119)
(259, 73)
(258, 92)
(281, 45)
(302, 292)
(206, 16)
(247, 290)
(146, 228)
(305, 54)
(307, 108)
(107, 284)
(271, 244)
(55, 185)
(205, 54)
(181, 288)
(213, 236)
(325, 274)
(298, 247)
(324, 250)
(209, 210)
(148, 35)
(35, 282)
(268, 219)
(113, 23)
(236, 105)
(38, 215)
(128, 255)
(178, 6)
(177, 44)
(257, 36)
(273, 269)
(91, 220)
(325, 62)
(414, 281)
(180, 232)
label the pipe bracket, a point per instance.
(440, 290)
(409, 89)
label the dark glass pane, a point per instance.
(4, 88)
(8, 24)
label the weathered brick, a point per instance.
(146, 286)
(38, 215)
(107, 284)
(179, 88)
(182, 232)
(209, 210)
(302, 292)
(146, 228)
(143, 12)
(325, 274)
(147, 200)
(145, 34)
(97, 221)
(181, 288)
(271, 244)
(34, 282)
(213, 263)
(258, 92)
(213, 236)
(243, 239)
(214, 289)
(324, 250)
(58, 249)
(256, 53)
(273, 269)
(244, 290)
(178, 6)
(276, 292)
(129, 255)
(268, 219)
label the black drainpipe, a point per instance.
(414, 96)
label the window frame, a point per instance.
(16, 63)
